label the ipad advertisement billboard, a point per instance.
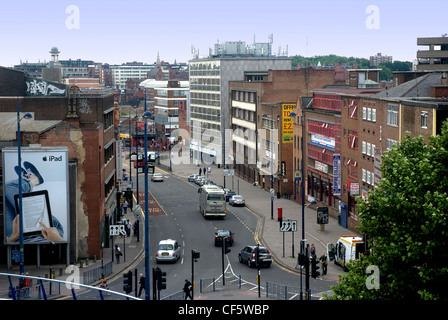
(45, 200)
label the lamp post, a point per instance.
(169, 141)
(19, 152)
(302, 186)
(146, 116)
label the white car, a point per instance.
(168, 250)
(157, 177)
(237, 200)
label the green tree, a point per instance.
(406, 218)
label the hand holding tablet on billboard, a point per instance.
(50, 233)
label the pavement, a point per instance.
(284, 247)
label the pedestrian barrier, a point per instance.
(214, 284)
(284, 292)
(95, 274)
(179, 295)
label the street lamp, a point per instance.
(302, 185)
(146, 116)
(19, 152)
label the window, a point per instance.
(352, 169)
(424, 119)
(390, 143)
(352, 139)
(353, 109)
(392, 115)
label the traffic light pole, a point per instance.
(223, 254)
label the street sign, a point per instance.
(116, 230)
(288, 226)
(297, 175)
(228, 172)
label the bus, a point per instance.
(139, 160)
(212, 201)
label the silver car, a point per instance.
(168, 250)
(237, 200)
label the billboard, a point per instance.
(45, 195)
(287, 123)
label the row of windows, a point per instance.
(368, 148)
(322, 128)
(194, 124)
(320, 154)
(331, 102)
(244, 114)
(246, 96)
(368, 177)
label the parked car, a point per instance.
(157, 177)
(237, 200)
(229, 194)
(200, 180)
(168, 250)
(227, 235)
(192, 177)
(247, 255)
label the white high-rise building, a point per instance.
(121, 73)
(209, 97)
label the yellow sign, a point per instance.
(287, 123)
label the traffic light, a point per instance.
(314, 268)
(161, 281)
(302, 259)
(257, 256)
(127, 282)
(225, 246)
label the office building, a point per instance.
(209, 96)
(435, 55)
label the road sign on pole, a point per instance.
(288, 226)
(117, 230)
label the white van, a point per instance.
(348, 247)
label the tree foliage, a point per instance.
(405, 218)
(387, 68)
(329, 59)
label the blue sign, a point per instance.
(16, 256)
(337, 174)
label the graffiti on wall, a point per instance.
(36, 87)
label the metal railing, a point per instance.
(214, 284)
(95, 274)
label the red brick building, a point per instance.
(86, 125)
(360, 123)
(265, 100)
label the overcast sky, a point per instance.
(115, 31)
